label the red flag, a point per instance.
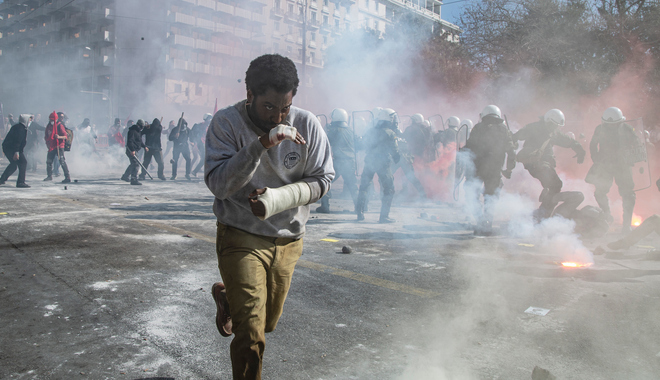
(216, 106)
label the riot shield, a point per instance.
(361, 122)
(323, 119)
(637, 155)
(437, 122)
(404, 122)
(460, 159)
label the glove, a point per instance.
(507, 173)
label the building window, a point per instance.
(277, 26)
(291, 8)
(313, 18)
(277, 4)
(276, 47)
(325, 20)
(313, 36)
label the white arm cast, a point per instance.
(284, 198)
(282, 132)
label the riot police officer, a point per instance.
(382, 150)
(538, 158)
(342, 142)
(489, 144)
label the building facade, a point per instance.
(108, 58)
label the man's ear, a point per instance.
(250, 97)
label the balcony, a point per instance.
(184, 40)
(202, 68)
(259, 18)
(184, 19)
(226, 8)
(244, 13)
(180, 64)
(277, 13)
(205, 24)
(223, 49)
(204, 45)
(207, 3)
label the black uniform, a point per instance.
(198, 132)
(382, 149)
(133, 144)
(342, 142)
(538, 158)
(152, 141)
(489, 144)
(180, 136)
(15, 142)
(609, 148)
(420, 140)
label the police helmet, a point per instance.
(339, 114)
(417, 118)
(555, 116)
(613, 115)
(491, 110)
(453, 122)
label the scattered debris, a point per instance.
(542, 374)
(346, 249)
(646, 246)
(146, 198)
(525, 245)
(75, 180)
(186, 235)
(65, 188)
(3, 213)
(424, 215)
(115, 204)
(537, 311)
(330, 240)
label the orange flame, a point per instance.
(636, 220)
(568, 264)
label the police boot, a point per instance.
(386, 205)
(325, 205)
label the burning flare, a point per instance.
(636, 220)
(569, 264)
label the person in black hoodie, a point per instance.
(133, 145)
(180, 135)
(12, 147)
(154, 149)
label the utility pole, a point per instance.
(91, 116)
(304, 41)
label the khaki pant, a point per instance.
(256, 271)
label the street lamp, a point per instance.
(91, 116)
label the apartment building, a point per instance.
(108, 58)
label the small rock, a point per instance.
(542, 374)
(424, 215)
(188, 236)
(75, 180)
(64, 187)
(146, 198)
(346, 249)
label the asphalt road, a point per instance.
(105, 280)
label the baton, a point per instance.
(143, 168)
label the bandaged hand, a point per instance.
(269, 201)
(280, 133)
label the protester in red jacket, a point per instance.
(55, 139)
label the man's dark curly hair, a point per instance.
(272, 71)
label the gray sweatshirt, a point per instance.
(237, 164)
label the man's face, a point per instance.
(270, 109)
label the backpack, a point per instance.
(69, 139)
